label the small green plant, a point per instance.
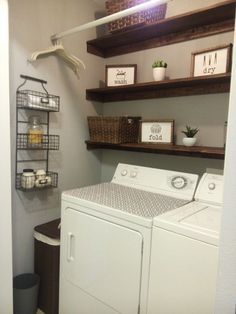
(159, 64)
(190, 132)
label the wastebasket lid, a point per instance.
(50, 229)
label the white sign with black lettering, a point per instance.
(120, 76)
(157, 132)
(212, 62)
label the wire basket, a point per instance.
(29, 99)
(37, 141)
(148, 16)
(27, 184)
(114, 130)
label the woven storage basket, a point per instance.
(114, 130)
(148, 16)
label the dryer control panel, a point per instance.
(210, 189)
(176, 184)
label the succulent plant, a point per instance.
(159, 64)
(190, 132)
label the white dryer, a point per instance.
(184, 256)
(106, 238)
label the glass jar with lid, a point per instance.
(27, 179)
(35, 131)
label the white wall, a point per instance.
(208, 112)
(31, 25)
(5, 168)
(226, 297)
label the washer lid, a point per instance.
(206, 220)
(195, 220)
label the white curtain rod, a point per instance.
(109, 18)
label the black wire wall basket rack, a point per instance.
(44, 103)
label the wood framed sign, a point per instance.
(120, 75)
(159, 131)
(212, 61)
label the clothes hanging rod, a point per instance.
(143, 6)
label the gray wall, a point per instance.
(31, 25)
(208, 112)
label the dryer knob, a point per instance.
(133, 174)
(211, 186)
(124, 173)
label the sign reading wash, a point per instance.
(120, 75)
(157, 131)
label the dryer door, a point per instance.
(103, 259)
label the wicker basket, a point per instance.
(115, 130)
(148, 16)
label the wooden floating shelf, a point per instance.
(163, 89)
(215, 19)
(195, 151)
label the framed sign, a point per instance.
(157, 131)
(211, 61)
(120, 75)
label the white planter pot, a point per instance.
(159, 74)
(189, 141)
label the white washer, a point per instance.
(184, 254)
(106, 238)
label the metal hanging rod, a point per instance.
(27, 77)
(143, 6)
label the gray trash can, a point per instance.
(25, 293)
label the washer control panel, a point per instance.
(156, 180)
(210, 189)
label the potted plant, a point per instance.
(159, 70)
(190, 140)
